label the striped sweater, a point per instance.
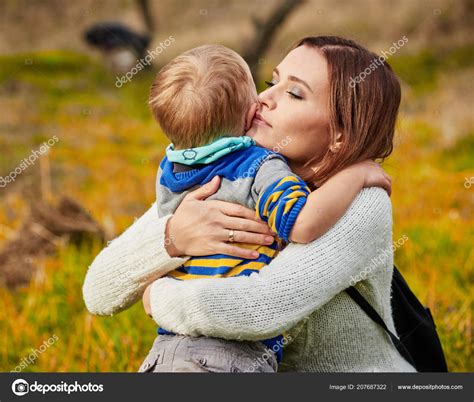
(254, 177)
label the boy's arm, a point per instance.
(279, 195)
(295, 214)
(328, 204)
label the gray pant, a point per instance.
(178, 353)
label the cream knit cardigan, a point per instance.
(300, 293)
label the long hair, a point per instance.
(364, 100)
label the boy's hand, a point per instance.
(146, 300)
(373, 175)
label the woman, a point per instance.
(331, 125)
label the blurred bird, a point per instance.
(120, 46)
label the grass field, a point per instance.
(107, 156)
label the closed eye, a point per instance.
(270, 83)
(293, 95)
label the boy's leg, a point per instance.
(163, 357)
(222, 356)
(185, 354)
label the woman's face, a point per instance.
(294, 115)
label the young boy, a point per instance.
(203, 100)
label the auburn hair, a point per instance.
(365, 114)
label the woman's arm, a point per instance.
(122, 270)
(299, 281)
(120, 273)
(328, 204)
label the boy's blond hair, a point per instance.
(201, 95)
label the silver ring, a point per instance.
(231, 235)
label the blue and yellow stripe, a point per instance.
(222, 266)
(280, 204)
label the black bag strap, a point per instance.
(372, 313)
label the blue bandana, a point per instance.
(210, 152)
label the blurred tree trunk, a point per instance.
(144, 6)
(264, 33)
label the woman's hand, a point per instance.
(146, 300)
(200, 227)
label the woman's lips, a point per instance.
(258, 119)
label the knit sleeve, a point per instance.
(301, 279)
(118, 276)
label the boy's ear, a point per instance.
(251, 113)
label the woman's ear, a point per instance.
(334, 147)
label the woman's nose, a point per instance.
(267, 99)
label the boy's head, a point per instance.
(201, 95)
